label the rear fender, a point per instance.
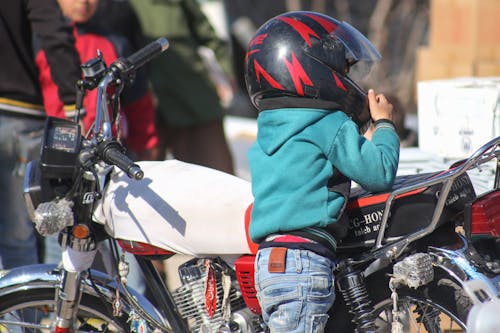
(464, 265)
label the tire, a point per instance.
(34, 309)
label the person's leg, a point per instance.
(298, 299)
(17, 235)
(203, 145)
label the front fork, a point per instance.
(77, 257)
(79, 250)
(68, 300)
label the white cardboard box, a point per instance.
(457, 116)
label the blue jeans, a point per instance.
(298, 299)
(17, 233)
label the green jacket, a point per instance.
(294, 157)
(186, 94)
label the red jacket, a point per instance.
(137, 100)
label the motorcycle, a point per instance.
(408, 262)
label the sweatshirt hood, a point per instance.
(276, 127)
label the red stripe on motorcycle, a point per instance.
(378, 199)
(251, 245)
(61, 329)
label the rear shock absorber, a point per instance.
(351, 284)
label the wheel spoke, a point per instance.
(418, 315)
(34, 313)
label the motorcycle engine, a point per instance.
(210, 300)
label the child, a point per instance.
(301, 71)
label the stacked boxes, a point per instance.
(457, 116)
(464, 40)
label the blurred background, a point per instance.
(419, 39)
(440, 60)
(397, 28)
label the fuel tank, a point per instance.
(179, 207)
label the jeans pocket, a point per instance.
(282, 305)
(317, 323)
(321, 289)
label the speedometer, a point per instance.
(63, 138)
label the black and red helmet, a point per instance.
(310, 58)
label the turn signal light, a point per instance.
(81, 231)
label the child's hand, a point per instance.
(380, 107)
(369, 132)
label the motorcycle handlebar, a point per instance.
(147, 53)
(112, 153)
(142, 56)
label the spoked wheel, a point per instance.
(33, 311)
(418, 314)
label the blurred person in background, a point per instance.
(190, 113)
(120, 17)
(138, 109)
(137, 104)
(22, 114)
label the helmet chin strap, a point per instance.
(355, 103)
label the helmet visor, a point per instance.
(361, 54)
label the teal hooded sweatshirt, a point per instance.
(293, 158)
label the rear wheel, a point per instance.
(440, 306)
(443, 296)
(33, 311)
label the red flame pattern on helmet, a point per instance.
(249, 53)
(261, 71)
(338, 82)
(326, 24)
(259, 39)
(298, 74)
(304, 31)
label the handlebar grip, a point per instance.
(112, 153)
(148, 52)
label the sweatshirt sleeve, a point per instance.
(372, 164)
(205, 34)
(57, 40)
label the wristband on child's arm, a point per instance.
(384, 123)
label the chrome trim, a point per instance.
(28, 200)
(484, 154)
(459, 264)
(102, 108)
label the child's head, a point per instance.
(309, 56)
(78, 11)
